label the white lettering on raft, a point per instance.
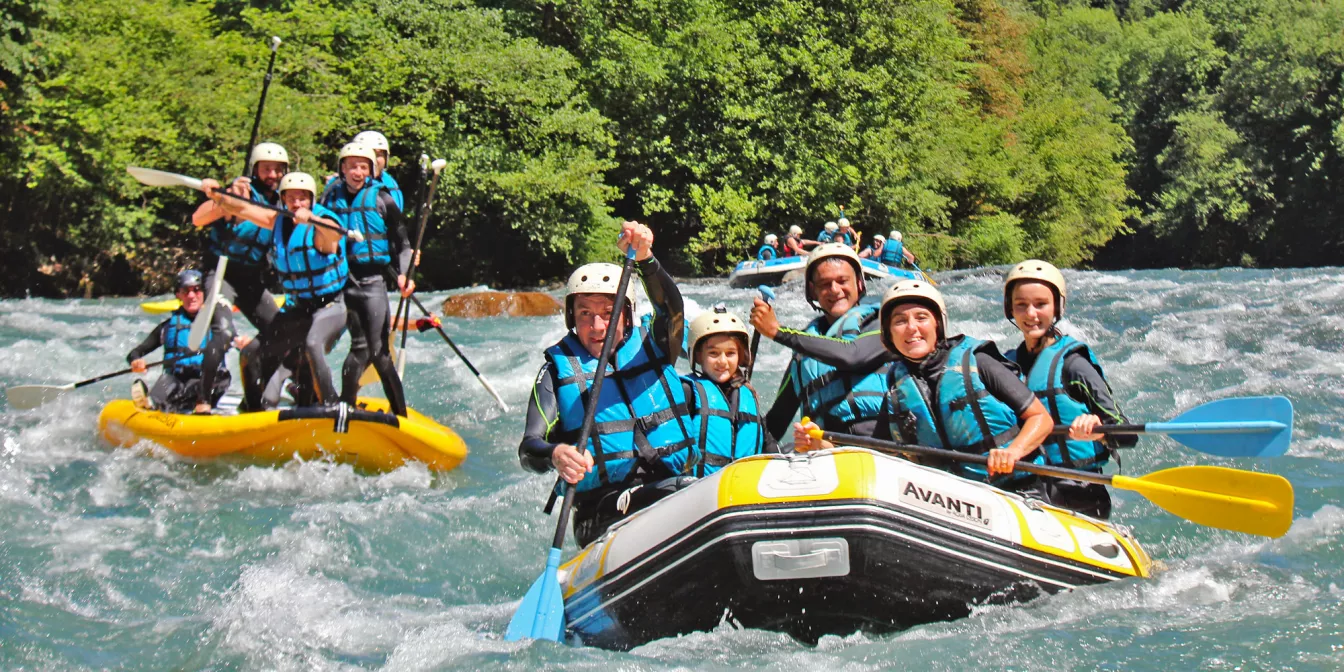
(938, 502)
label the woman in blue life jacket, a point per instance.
(728, 423)
(1068, 379)
(769, 249)
(837, 375)
(180, 389)
(310, 262)
(381, 149)
(874, 249)
(363, 204)
(955, 393)
(641, 431)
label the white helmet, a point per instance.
(832, 227)
(843, 222)
(826, 251)
(896, 236)
(267, 151)
(912, 291)
(373, 140)
(878, 237)
(302, 181)
(771, 239)
(795, 230)
(716, 320)
(356, 149)
(1037, 271)
(599, 278)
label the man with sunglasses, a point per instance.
(184, 386)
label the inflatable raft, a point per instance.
(754, 272)
(830, 543)
(366, 436)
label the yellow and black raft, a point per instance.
(366, 436)
(831, 543)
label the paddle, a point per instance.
(484, 383)
(161, 178)
(1236, 427)
(542, 612)
(768, 296)
(24, 397)
(437, 166)
(1228, 499)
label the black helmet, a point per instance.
(189, 278)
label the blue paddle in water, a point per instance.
(1236, 427)
(768, 296)
(542, 612)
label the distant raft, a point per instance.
(831, 543)
(753, 272)
(362, 436)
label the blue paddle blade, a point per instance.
(1237, 427)
(767, 294)
(542, 612)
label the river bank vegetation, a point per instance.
(1111, 134)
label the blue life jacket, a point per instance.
(726, 428)
(766, 253)
(893, 253)
(242, 242)
(175, 334)
(836, 399)
(825, 236)
(305, 272)
(1046, 379)
(962, 415)
(846, 238)
(364, 214)
(641, 415)
(393, 188)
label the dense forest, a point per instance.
(1112, 134)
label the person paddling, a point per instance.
(363, 204)
(728, 423)
(1063, 373)
(836, 374)
(769, 249)
(955, 392)
(182, 387)
(641, 433)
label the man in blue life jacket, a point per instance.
(641, 432)
(311, 263)
(839, 362)
(381, 148)
(363, 204)
(245, 245)
(828, 232)
(845, 233)
(894, 253)
(874, 249)
(180, 389)
(770, 249)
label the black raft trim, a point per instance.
(334, 413)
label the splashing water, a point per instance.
(139, 559)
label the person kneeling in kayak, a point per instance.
(641, 431)
(728, 424)
(1063, 372)
(180, 388)
(954, 393)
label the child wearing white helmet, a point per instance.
(1063, 372)
(641, 431)
(769, 249)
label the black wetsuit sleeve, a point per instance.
(780, 415)
(669, 311)
(403, 253)
(856, 355)
(1086, 385)
(150, 344)
(1001, 381)
(542, 413)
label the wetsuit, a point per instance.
(597, 508)
(181, 386)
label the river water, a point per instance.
(116, 558)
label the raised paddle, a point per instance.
(437, 166)
(768, 296)
(1228, 499)
(1236, 427)
(24, 397)
(542, 612)
(484, 383)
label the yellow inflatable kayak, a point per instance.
(363, 437)
(169, 305)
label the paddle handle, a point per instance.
(261, 105)
(768, 296)
(485, 383)
(590, 412)
(122, 372)
(314, 221)
(895, 448)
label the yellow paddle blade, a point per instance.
(1228, 499)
